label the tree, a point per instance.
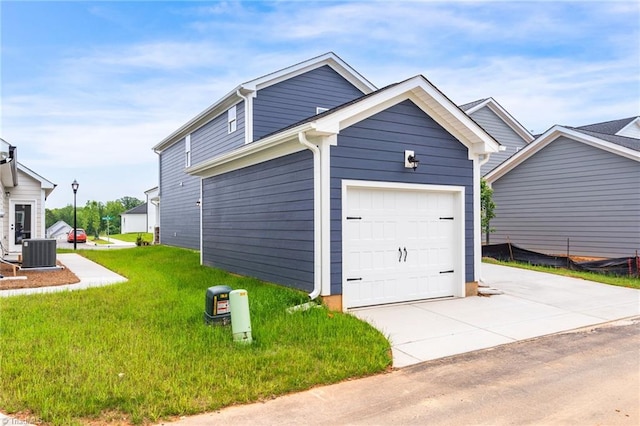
(113, 209)
(487, 207)
(129, 202)
(93, 211)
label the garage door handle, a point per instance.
(405, 254)
(450, 271)
(400, 258)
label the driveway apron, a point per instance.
(533, 304)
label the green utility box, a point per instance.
(216, 307)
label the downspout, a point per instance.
(317, 216)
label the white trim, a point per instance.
(248, 89)
(12, 246)
(329, 58)
(232, 120)
(317, 215)
(428, 98)
(201, 230)
(504, 115)
(325, 193)
(417, 89)
(551, 135)
(187, 151)
(266, 149)
(477, 220)
(457, 191)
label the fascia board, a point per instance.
(330, 59)
(478, 107)
(226, 102)
(504, 115)
(426, 97)
(44, 183)
(548, 137)
(510, 121)
(253, 153)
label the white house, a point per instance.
(24, 192)
(134, 220)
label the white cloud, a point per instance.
(105, 107)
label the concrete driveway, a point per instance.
(533, 304)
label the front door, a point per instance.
(22, 223)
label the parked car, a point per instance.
(80, 235)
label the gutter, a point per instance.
(317, 216)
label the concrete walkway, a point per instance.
(90, 273)
(533, 304)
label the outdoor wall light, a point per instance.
(410, 160)
(198, 202)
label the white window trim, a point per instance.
(232, 121)
(187, 151)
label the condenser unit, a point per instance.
(38, 253)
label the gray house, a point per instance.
(311, 178)
(576, 185)
(500, 124)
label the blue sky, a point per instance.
(88, 88)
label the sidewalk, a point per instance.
(90, 273)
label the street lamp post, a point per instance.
(75, 186)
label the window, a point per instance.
(320, 110)
(187, 151)
(231, 119)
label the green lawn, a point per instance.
(131, 237)
(627, 281)
(141, 351)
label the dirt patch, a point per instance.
(35, 279)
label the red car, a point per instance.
(80, 235)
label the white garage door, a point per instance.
(400, 245)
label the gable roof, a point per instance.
(625, 147)
(504, 115)
(45, 184)
(60, 225)
(140, 209)
(328, 124)
(250, 87)
(612, 127)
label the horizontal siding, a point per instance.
(295, 99)
(501, 132)
(213, 138)
(373, 149)
(179, 192)
(258, 221)
(569, 190)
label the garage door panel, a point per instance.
(399, 245)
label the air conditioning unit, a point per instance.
(38, 253)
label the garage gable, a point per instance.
(368, 161)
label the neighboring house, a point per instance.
(153, 213)
(23, 204)
(502, 126)
(134, 220)
(266, 183)
(575, 186)
(58, 230)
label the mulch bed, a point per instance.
(36, 279)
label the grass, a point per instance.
(131, 237)
(140, 350)
(622, 281)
